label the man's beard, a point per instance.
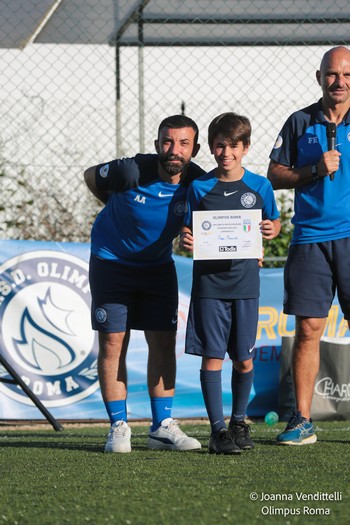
(170, 167)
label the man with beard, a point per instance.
(133, 278)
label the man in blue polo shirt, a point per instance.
(318, 261)
(133, 279)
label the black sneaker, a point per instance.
(240, 433)
(222, 443)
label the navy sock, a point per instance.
(241, 385)
(116, 410)
(212, 395)
(161, 409)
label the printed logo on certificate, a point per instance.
(227, 234)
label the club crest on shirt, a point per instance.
(104, 171)
(180, 208)
(248, 200)
(45, 327)
(278, 143)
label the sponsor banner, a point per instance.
(46, 335)
(331, 399)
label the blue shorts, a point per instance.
(128, 297)
(218, 326)
(312, 274)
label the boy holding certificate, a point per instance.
(223, 314)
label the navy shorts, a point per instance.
(218, 326)
(313, 273)
(129, 297)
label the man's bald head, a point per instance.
(334, 78)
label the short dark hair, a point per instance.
(233, 126)
(177, 122)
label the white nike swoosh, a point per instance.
(116, 413)
(251, 349)
(227, 194)
(160, 194)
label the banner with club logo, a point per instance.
(46, 336)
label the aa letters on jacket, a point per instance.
(227, 234)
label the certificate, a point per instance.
(227, 234)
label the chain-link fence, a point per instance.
(85, 81)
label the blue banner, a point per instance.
(46, 337)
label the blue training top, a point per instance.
(143, 214)
(229, 278)
(321, 208)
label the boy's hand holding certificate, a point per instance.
(227, 234)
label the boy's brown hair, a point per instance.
(233, 126)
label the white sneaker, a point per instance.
(169, 436)
(118, 439)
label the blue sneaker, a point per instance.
(299, 431)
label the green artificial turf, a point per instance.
(56, 478)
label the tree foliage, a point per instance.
(275, 251)
(36, 207)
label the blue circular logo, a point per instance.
(206, 225)
(100, 315)
(45, 327)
